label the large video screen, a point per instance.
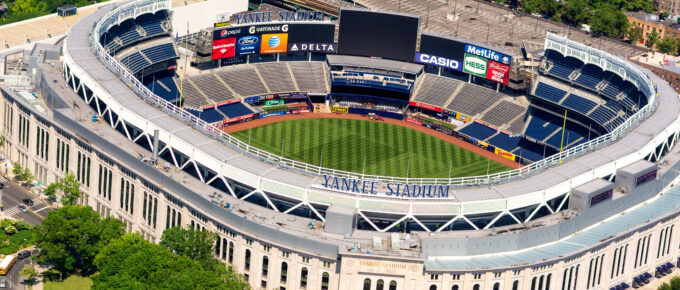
(386, 35)
(442, 47)
(273, 38)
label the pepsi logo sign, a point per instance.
(223, 33)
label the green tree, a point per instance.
(68, 186)
(29, 273)
(634, 34)
(665, 286)
(576, 12)
(196, 245)
(27, 176)
(609, 21)
(675, 283)
(667, 45)
(71, 237)
(652, 38)
(28, 7)
(17, 170)
(131, 262)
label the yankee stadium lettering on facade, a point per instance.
(487, 53)
(266, 16)
(389, 189)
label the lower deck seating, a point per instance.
(505, 142)
(541, 125)
(477, 130)
(163, 84)
(235, 110)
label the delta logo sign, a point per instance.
(247, 45)
(274, 43)
(475, 65)
(487, 53)
(438, 61)
(223, 48)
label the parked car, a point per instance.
(24, 254)
(3, 283)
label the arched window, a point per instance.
(533, 284)
(303, 277)
(265, 266)
(476, 287)
(393, 285)
(284, 272)
(540, 283)
(496, 286)
(224, 249)
(454, 287)
(380, 285)
(367, 284)
(547, 282)
(515, 285)
(433, 287)
(231, 252)
(325, 280)
(247, 259)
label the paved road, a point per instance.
(14, 280)
(12, 196)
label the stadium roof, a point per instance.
(367, 62)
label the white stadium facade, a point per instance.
(598, 215)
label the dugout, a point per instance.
(67, 10)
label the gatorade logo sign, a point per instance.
(475, 65)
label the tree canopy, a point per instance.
(71, 236)
(26, 9)
(68, 186)
(196, 245)
(130, 262)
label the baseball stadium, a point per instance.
(364, 145)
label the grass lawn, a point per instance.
(72, 282)
(388, 149)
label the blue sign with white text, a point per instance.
(248, 45)
(438, 61)
(487, 53)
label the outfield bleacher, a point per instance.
(505, 142)
(473, 99)
(531, 151)
(436, 90)
(160, 53)
(191, 97)
(310, 76)
(477, 130)
(212, 87)
(541, 125)
(243, 80)
(503, 113)
(578, 103)
(549, 92)
(132, 31)
(235, 110)
(164, 85)
(277, 76)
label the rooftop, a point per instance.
(654, 18)
(659, 60)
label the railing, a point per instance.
(314, 170)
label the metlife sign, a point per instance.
(487, 53)
(438, 61)
(475, 65)
(313, 47)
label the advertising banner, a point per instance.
(274, 43)
(272, 114)
(223, 48)
(232, 120)
(504, 154)
(340, 109)
(487, 53)
(497, 72)
(475, 65)
(438, 61)
(254, 99)
(273, 102)
(413, 121)
(425, 106)
(312, 47)
(247, 45)
(233, 60)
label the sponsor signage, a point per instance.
(413, 121)
(397, 190)
(312, 47)
(497, 72)
(223, 48)
(504, 154)
(269, 16)
(272, 114)
(274, 102)
(233, 60)
(425, 106)
(487, 53)
(236, 119)
(438, 61)
(247, 45)
(254, 99)
(475, 65)
(274, 43)
(340, 109)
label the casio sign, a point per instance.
(248, 40)
(438, 61)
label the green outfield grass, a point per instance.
(388, 149)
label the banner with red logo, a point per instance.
(413, 121)
(497, 72)
(425, 106)
(232, 120)
(223, 48)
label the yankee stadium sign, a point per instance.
(397, 190)
(266, 16)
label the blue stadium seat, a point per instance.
(163, 84)
(578, 103)
(590, 76)
(135, 62)
(549, 92)
(532, 151)
(505, 142)
(572, 132)
(160, 53)
(211, 115)
(235, 110)
(477, 130)
(562, 66)
(542, 124)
